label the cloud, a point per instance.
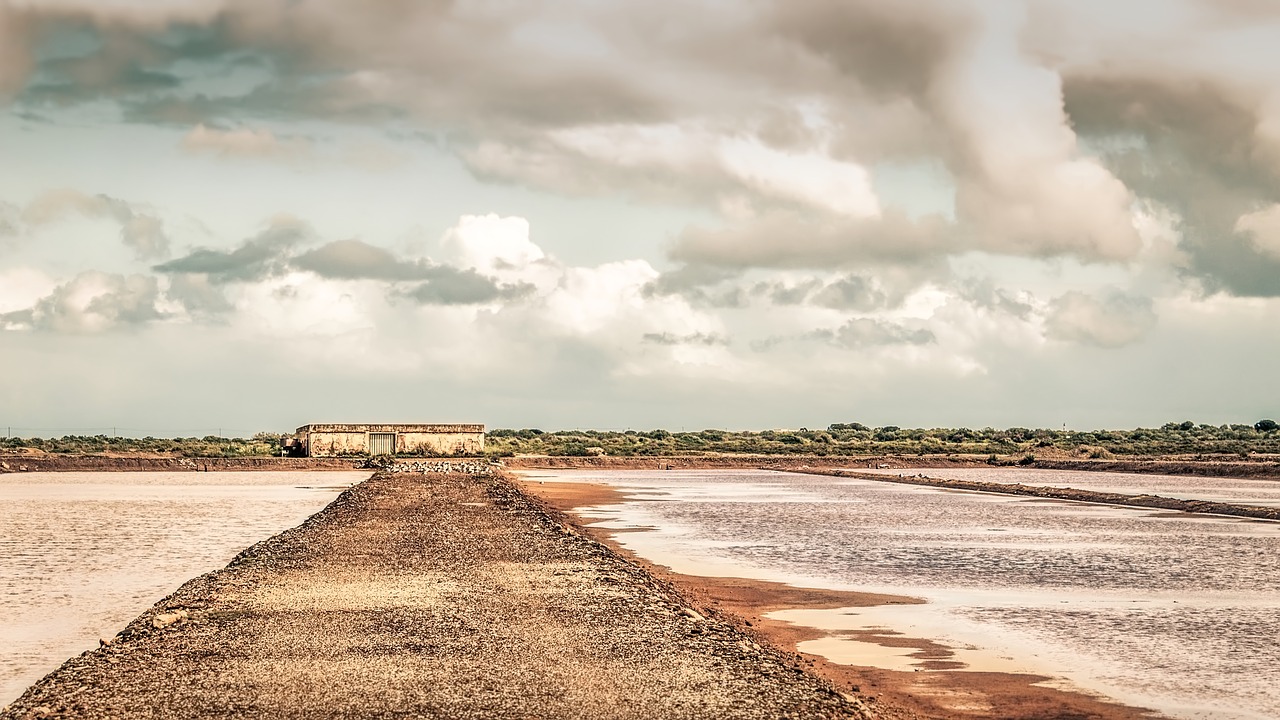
(200, 298)
(16, 60)
(1197, 144)
(1263, 229)
(140, 230)
(245, 142)
(698, 284)
(451, 286)
(984, 294)
(696, 338)
(852, 292)
(258, 257)
(870, 332)
(807, 240)
(787, 105)
(354, 260)
(491, 243)
(92, 302)
(1114, 320)
(438, 284)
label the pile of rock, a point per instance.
(468, 467)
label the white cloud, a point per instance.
(491, 243)
(1263, 228)
(1111, 321)
(812, 177)
(92, 302)
(22, 287)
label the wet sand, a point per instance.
(940, 691)
(441, 596)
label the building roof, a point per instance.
(394, 427)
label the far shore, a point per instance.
(1256, 468)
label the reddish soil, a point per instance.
(933, 695)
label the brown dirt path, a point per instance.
(430, 596)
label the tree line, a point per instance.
(852, 438)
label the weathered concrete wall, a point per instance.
(443, 443)
(330, 444)
(346, 440)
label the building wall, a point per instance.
(335, 440)
(440, 443)
(328, 444)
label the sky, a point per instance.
(250, 215)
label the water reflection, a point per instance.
(81, 554)
(1157, 609)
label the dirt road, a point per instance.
(430, 596)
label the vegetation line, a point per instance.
(1008, 446)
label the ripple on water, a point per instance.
(1158, 609)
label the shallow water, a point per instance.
(82, 554)
(1165, 610)
(1241, 491)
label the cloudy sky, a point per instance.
(254, 214)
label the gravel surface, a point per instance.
(430, 596)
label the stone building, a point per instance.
(403, 439)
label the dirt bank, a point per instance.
(126, 463)
(41, 462)
(430, 596)
(1155, 502)
(1257, 468)
(942, 693)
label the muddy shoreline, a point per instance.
(944, 692)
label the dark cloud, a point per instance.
(198, 296)
(983, 293)
(857, 333)
(689, 339)
(869, 332)
(783, 293)
(700, 285)
(259, 257)
(1194, 145)
(852, 292)
(856, 82)
(354, 260)
(446, 285)
(437, 284)
(92, 302)
(890, 50)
